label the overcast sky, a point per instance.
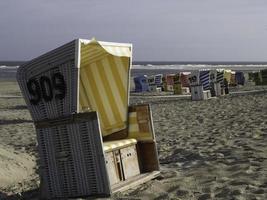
(160, 30)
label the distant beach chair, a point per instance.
(152, 87)
(141, 84)
(196, 86)
(227, 75)
(259, 77)
(184, 78)
(263, 77)
(158, 80)
(233, 79)
(227, 80)
(217, 86)
(132, 85)
(240, 78)
(177, 85)
(204, 77)
(168, 82)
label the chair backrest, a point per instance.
(48, 83)
(194, 78)
(141, 84)
(205, 79)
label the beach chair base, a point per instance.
(121, 160)
(130, 163)
(75, 162)
(198, 94)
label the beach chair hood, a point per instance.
(104, 83)
(80, 76)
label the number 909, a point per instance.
(47, 89)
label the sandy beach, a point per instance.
(214, 149)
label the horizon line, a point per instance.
(19, 62)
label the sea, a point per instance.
(8, 69)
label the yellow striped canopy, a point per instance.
(104, 83)
(227, 75)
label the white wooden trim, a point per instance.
(85, 41)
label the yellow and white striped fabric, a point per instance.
(134, 130)
(118, 144)
(104, 77)
(227, 75)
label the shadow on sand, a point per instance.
(14, 121)
(29, 195)
(19, 107)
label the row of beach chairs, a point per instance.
(178, 83)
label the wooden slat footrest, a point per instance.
(118, 144)
(134, 181)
